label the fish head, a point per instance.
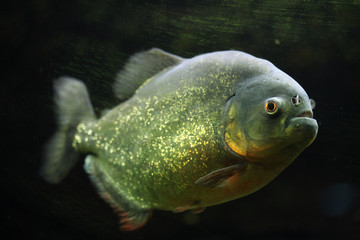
(269, 119)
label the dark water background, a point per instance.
(315, 42)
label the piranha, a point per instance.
(187, 133)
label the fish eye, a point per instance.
(271, 107)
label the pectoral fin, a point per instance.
(218, 177)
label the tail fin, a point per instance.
(72, 107)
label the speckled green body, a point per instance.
(190, 133)
(154, 146)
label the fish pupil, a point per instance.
(271, 106)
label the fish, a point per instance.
(186, 133)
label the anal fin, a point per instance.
(133, 220)
(131, 216)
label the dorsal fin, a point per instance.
(140, 67)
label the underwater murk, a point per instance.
(189, 133)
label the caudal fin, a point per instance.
(72, 107)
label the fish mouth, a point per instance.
(304, 119)
(302, 129)
(307, 114)
(303, 124)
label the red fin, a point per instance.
(130, 223)
(129, 220)
(132, 217)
